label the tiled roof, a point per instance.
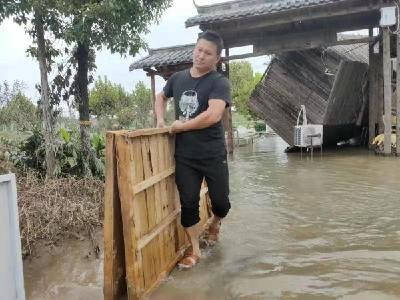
(178, 55)
(247, 8)
(165, 57)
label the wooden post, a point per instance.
(153, 94)
(398, 97)
(373, 92)
(229, 128)
(387, 86)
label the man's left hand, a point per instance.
(177, 126)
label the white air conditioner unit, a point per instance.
(307, 134)
(304, 133)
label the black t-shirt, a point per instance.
(191, 96)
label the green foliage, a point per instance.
(17, 109)
(31, 153)
(122, 110)
(243, 82)
(116, 24)
(260, 126)
(7, 92)
(106, 98)
(142, 106)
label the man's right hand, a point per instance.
(160, 123)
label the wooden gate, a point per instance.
(143, 238)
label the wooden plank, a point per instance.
(162, 159)
(387, 83)
(158, 196)
(229, 128)
(153, 96)
(149, 182)
(173, 203)
(135, 282)
(151, 260)
(142, 132)
(398, 97)
(139, 206)
(373, 88)
(157, 230)
(168, 269)
(114, 260)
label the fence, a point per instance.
(11, 276)
(143, 238)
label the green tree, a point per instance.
(143, 106)
(7, 93)
(107, 99)
(39, 16)
(243, 83)
(138, 113)
(20, 111)
(114, 24)
(90, 25)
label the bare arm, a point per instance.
(160, 107)
(212, 115)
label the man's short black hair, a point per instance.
(214, 38)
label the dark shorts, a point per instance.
(189, 176)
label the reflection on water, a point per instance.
(326, 228)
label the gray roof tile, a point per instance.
(168, 56)
(244, 8)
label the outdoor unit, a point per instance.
(307, 134)
(304, 133)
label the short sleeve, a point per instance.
(222, 90)
(168, 88)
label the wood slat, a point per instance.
(143, 132)
(156, 231)
(158, 197)
(139, 205)
(114, 260)
(153, 180)
(135, 281)
(151, 259)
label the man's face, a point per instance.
(205, 55)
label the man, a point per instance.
(201, 95)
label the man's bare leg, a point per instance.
(193, 234)
(215, 222)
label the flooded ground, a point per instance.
(327, 228)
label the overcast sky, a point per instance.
(15, 65)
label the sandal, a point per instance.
(188, 251)
(211, 235)
(189, 261)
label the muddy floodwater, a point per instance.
(326, 228)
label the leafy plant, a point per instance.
(31, 153)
